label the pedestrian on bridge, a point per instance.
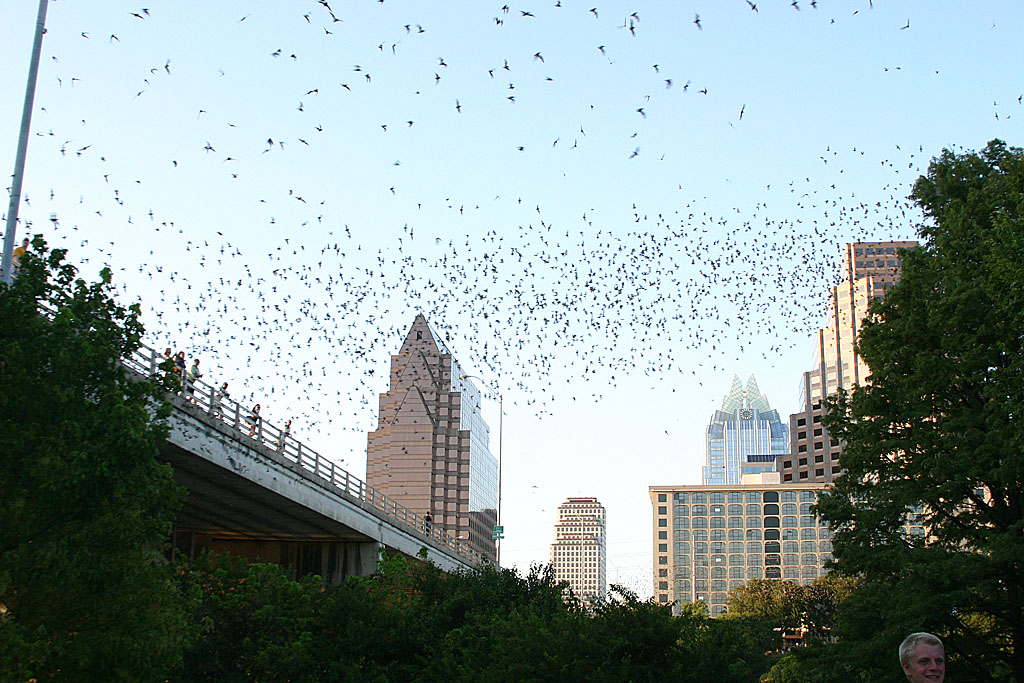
(179, 368)
(285, 431)
(219, 396)
(254, 420)
(190, 380)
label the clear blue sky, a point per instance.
(595, 227)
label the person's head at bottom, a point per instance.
(923, 658)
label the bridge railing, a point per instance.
(206, 397)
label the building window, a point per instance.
(663, 522)
(662, 497)
(662, 509)
(663, 559)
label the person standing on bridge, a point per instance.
(190, 380)
(427, 523)
(218, 397)
(179, 368)
(254, 420)
(285, 431)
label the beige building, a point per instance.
(868, 270)
(430, 449)
(579, 553)
(709, 540)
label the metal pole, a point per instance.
(7, 265)
(501, 455)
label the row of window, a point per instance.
(719, 547)
(738, 509)
(788, 521)
(805, 534)
(752, 560)
(739, 497)
(818, 474)
(684, 586)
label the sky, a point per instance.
(607, 210)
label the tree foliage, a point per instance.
(84, 591)
(937, 433)
(413, 622)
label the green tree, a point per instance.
(85, 512)
(937, 434)
(255, 623)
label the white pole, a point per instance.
(7, 265)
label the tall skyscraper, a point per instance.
(868, 270)
(430, 451)
(744, 437)
(579, 553)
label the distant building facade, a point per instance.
(709, 540)
(579, 553)
(430, 450)
(745, 436)
(869, 269)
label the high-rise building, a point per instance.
(430, 451)
(745, 436)
(579, 553)
(868, 270)
(709, 540)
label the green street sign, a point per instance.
(499, 533)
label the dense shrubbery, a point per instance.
(410, 621)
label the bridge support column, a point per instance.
(333, 561)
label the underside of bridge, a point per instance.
(225, 512)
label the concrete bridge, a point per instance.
(255, 491)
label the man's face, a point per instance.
(927, 665)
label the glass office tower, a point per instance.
(744, 437)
